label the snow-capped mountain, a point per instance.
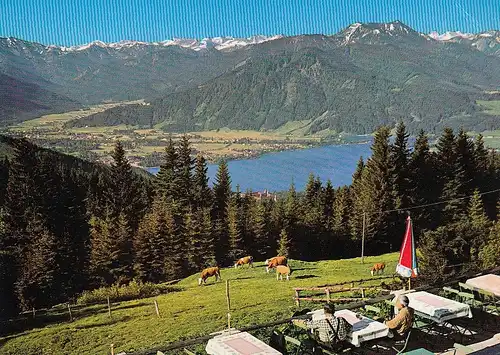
(219, 43)
(373, 32)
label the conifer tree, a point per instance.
(466, 160)
(202, 195)
(167, 175)
(208, 245)
(175, 263)
(489, 254)
(422, 190)
(35, 285)
(262, 246)
(236, 247)
(283, 244)
(340, 222)
(222, 194)
(356, 218)
(399, 159)
(185, 173)
(479, 224)
(376, 195)
(102, 245)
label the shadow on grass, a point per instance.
(110, 321)
(129, 306)
(301, 277)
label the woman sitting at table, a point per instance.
(331, 329)
(402, 322)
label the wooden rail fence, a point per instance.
(340, 288)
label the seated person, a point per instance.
(403, 321)
(324, 326)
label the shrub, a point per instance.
(134, 290)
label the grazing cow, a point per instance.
(283, 270)
(246, 260)
(378, 268)
(206, 273)
(277, 260)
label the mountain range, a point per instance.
(353, 81)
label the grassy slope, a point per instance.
(256, 297)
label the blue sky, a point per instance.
(70, 22)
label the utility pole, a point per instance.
(363, 240)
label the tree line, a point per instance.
(68, 225)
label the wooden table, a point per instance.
(436, 308)
(363, 329)
(489, 282)
(238, 343)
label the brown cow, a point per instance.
(378, 268)
(277, 260)
(206, 273)
(245, 260)
(283, 270)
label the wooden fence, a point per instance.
(348, 286)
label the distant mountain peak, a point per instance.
(373, 30)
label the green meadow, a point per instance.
(256, 298)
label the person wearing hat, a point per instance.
(403, 321)
(328, 325)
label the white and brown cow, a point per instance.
(245, 260)
(378, 268)
(274, 262)
(208, 272)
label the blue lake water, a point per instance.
(276, 171)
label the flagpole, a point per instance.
(363, 240)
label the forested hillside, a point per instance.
(68, 225)
(352, 81)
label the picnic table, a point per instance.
(436, 308)
(238, 343)
(489, 282)
(363, 329)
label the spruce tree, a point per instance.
(489, 254)
(283, 244)
(479, 224)
(236, 247)
(356, 197)
(262, 247)
(202, 194)
(35, 285)
(376, 196)
(222, 194)
(466, 160)
(422, 190)
(167, 175)
(185, 172)
(399, 159)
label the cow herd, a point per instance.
(280, 263)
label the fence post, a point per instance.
(327, 294)
(228, 305)
(362, 293)
(70, 315)
(157, 309)
(34, 313)
(297, 300)
(112, 349)
(109, 307)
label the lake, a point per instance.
(276, 171)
